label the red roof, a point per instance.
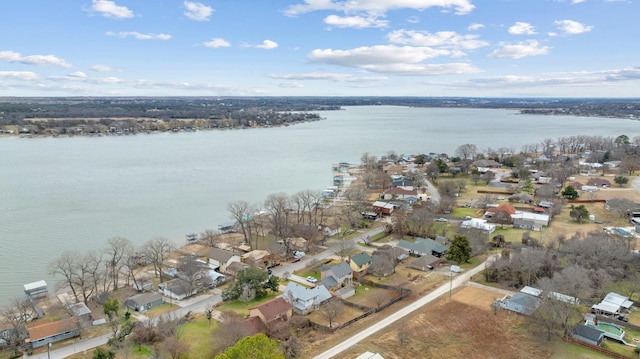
(503, 208)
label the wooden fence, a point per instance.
(596, 348)
(404, 292)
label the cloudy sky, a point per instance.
(515, 48)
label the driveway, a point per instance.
(441, 290)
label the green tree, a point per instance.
(570, 193)
(101, 353)
(579, 213)
(250, 283)
(258, 346)
(460, 249)
(621, 180)
(110, 308)
(528, 187)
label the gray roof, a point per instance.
(143, 299)
(341, 270)
(220, 255)
(303, 293)
(588, 332)
(422, 246)
(523, 303)
(361, 259)
(329, 282)
(426, 261)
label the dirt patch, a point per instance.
(451, 329)
(477, 297)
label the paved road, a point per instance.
(443, 289)
(79, 347)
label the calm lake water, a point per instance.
(60, 194)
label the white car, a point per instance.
(311, 279)
(441, 219)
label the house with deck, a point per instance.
(303, 299)
(423, 246)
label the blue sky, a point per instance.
(518, 48)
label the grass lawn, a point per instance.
(241, 307)
(197, 334)
(562, 350)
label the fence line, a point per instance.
(596, 348)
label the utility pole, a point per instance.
(49, 350)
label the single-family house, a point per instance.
(337, 275)
(330, 230)
(383, 208)
(598, 182)
(41, 333)
(426, 263)
(143, 301)
(305, 300)
(587, 334)
(275, 309)
(398, 193)
(501, 214)
(397, 253)
(486, 164)
(403, 183)
(423, 246)
(360, 263)
(235, 267)
(519, 302)
(221, 258)
(177, 289)
(478, 223)
(256, 258)
(521, 198)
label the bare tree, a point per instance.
(15, 316)
(175, 347)
(467, 151)
(157, 250)
(231, 329)
(382, 263)
(332, 310)
(241, 213)
(209, 237)
(117, 250)
(66, 266)
(277, 206)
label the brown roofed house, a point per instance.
(275, 309)
(42, 333)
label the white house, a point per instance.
(303, 299)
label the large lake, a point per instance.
(60, 194)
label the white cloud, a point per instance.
(110, 9)
(573, 2)
(358, 22)
(520, 50)
(267, 45)
(444, 39)
(475, 26)
(42, 60)
(522, 28)
(20, 75)
(293, 85)
(78, 74)
(379, 7)
(139, 36)
(216, 42)
(390, 59)
(197, 11)
(331, 76)
(572, 27)
(101, 68)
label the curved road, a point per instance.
(443, 289)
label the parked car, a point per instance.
(295, 260)
(622, 318)
(298, 254)
(311, 279)
(442, 219)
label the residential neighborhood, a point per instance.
(541, 251)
